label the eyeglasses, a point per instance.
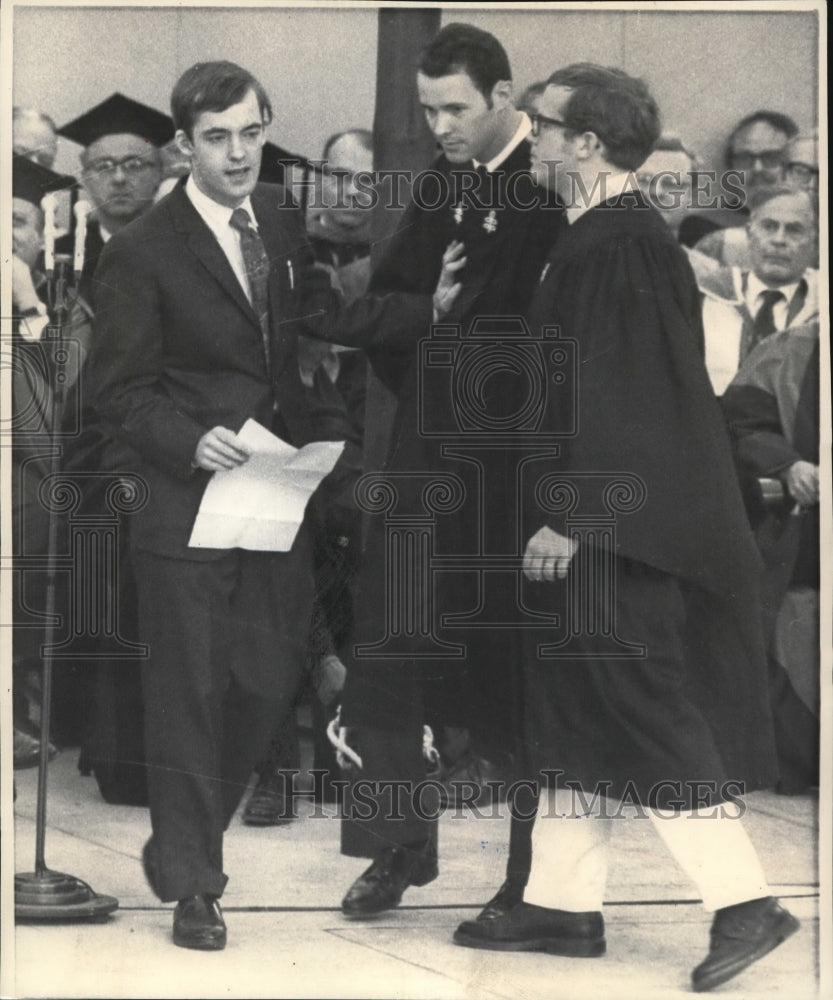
(539, 120)
(108, 167)
(801, 172)
(768, 158)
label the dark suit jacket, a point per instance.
(179, 350)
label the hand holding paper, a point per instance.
(259, 504)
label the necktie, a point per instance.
(764, 323)
(256, 261)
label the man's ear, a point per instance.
(183, 142)
(502, 94)
(588, 143)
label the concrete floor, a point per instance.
(287, 937)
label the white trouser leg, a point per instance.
(714, 850)
(569, 855)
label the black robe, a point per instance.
(507, 225)
(695, 705)
(93, 245)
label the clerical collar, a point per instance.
(216, 216)
(522, 132)
(609, 186)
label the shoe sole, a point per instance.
(201, 943)
(253, 820)
(786, 928)
(571, 948)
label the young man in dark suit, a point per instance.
(198, 305)
(480, 193)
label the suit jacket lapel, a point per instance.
(205, 247)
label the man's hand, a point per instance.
(447, 288)
(548, 555)
(802, 482)
(219, 449)
(24, 296)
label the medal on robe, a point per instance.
(490, 222)
(457, 212)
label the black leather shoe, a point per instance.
(535, 928)
(267, 805)
(380, 888)
(149, 865)
(506, 898)
(740, 935)
(198, 923)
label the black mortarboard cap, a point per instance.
(274, 163)
(31, 181)
(117, 115)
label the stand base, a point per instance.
(49, 895)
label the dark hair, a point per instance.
(363, 135)
(775, 120)
(214, 86)
(617, 107)
(462, 48)
(762, 195)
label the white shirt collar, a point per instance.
(609, 186)
(754, 287)
(523, 130)
(216, 216)
(106, 235)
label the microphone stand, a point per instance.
(44, 894)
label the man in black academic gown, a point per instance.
(479, 192)
(681, 726)
(121, 169)
(100, 707)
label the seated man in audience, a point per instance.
(665, 179)
(121, 168)
(34, 136)
(32, 391)
(98, 707)
(801, 167)
(755, 150)
(772, 406)
(742, 306)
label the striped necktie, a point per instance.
(256, 261)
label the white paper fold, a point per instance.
(260, 505)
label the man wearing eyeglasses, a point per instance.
(678, 725)
(755, 155)
(121, 168)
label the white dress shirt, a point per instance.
(218, 219)
(755, 288)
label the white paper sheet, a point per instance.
(260, 505)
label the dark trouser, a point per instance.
(223, 666)
(376, 816)
(396, 756)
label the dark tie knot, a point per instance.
(771, 297)
(241, 220)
